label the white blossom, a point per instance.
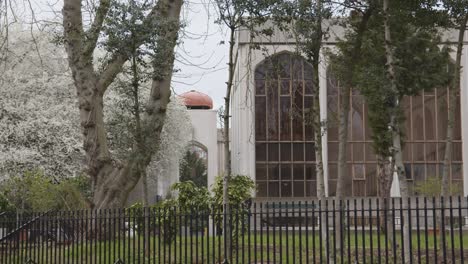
(39, 127)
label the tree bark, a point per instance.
(454, 89)
(113, 181)
(396, 133)
(344, 120)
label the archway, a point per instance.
(194, 165)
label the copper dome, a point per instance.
(196, 100)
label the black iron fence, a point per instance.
(349, 231)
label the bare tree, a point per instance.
(114, 180)
(394, 126)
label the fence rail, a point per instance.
(328, 231)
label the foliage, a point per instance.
(5, 205)
(193, 168)
(34, 191)
(165, 222)
(415, 43)
(240, 190)
(431, 187)
(191, 197)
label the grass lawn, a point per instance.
(281, 247)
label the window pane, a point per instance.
(429, 117)
(358, 151)
(332, 151)
(418, 124)
(285, 115)
(408, 172)
(457, 151)
(310, 151)
(286, 172)
(419, 172)
(260, 118)
(308, 71)
(273, 109)
(311, 189)
(332, 118)
(441, 151)
(431, 170)
(273, 189)
(260, 87)
(457, 172)
(359, 188)
(431, 151)
(310, 172)
(260, 172)
(296, 67)
(298, 151)
(358, 171)
(331, 187)
(273, 151)
(261, 189)
(298, 120)
(371, 179)
(285, 87)
(309, 130)
(309, 88)
(442, 114)
(273, 172)
(284, 66)
(370, 155)
(298, 171)
(299, 187)
(286, 189)
(357, 118)
(407, 147)
(418, 151)
(260, 72)
(441, 169)
(332, 171)
(260, 151)
(285, 152)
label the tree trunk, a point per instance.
(113, 181)
(385, 174)
(227, 153)
(395, 129)
(454, 89)
(343, 126)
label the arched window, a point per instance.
(285, 155)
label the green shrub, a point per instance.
(34, 191)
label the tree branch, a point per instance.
(73, 29)
(92, 34)
(115, 64)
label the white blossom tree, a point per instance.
(39, 127)
(39, 122)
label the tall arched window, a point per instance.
(285, 157)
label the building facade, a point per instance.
(273, 145)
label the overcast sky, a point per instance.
(201, 58)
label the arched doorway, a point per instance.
(194, 165)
